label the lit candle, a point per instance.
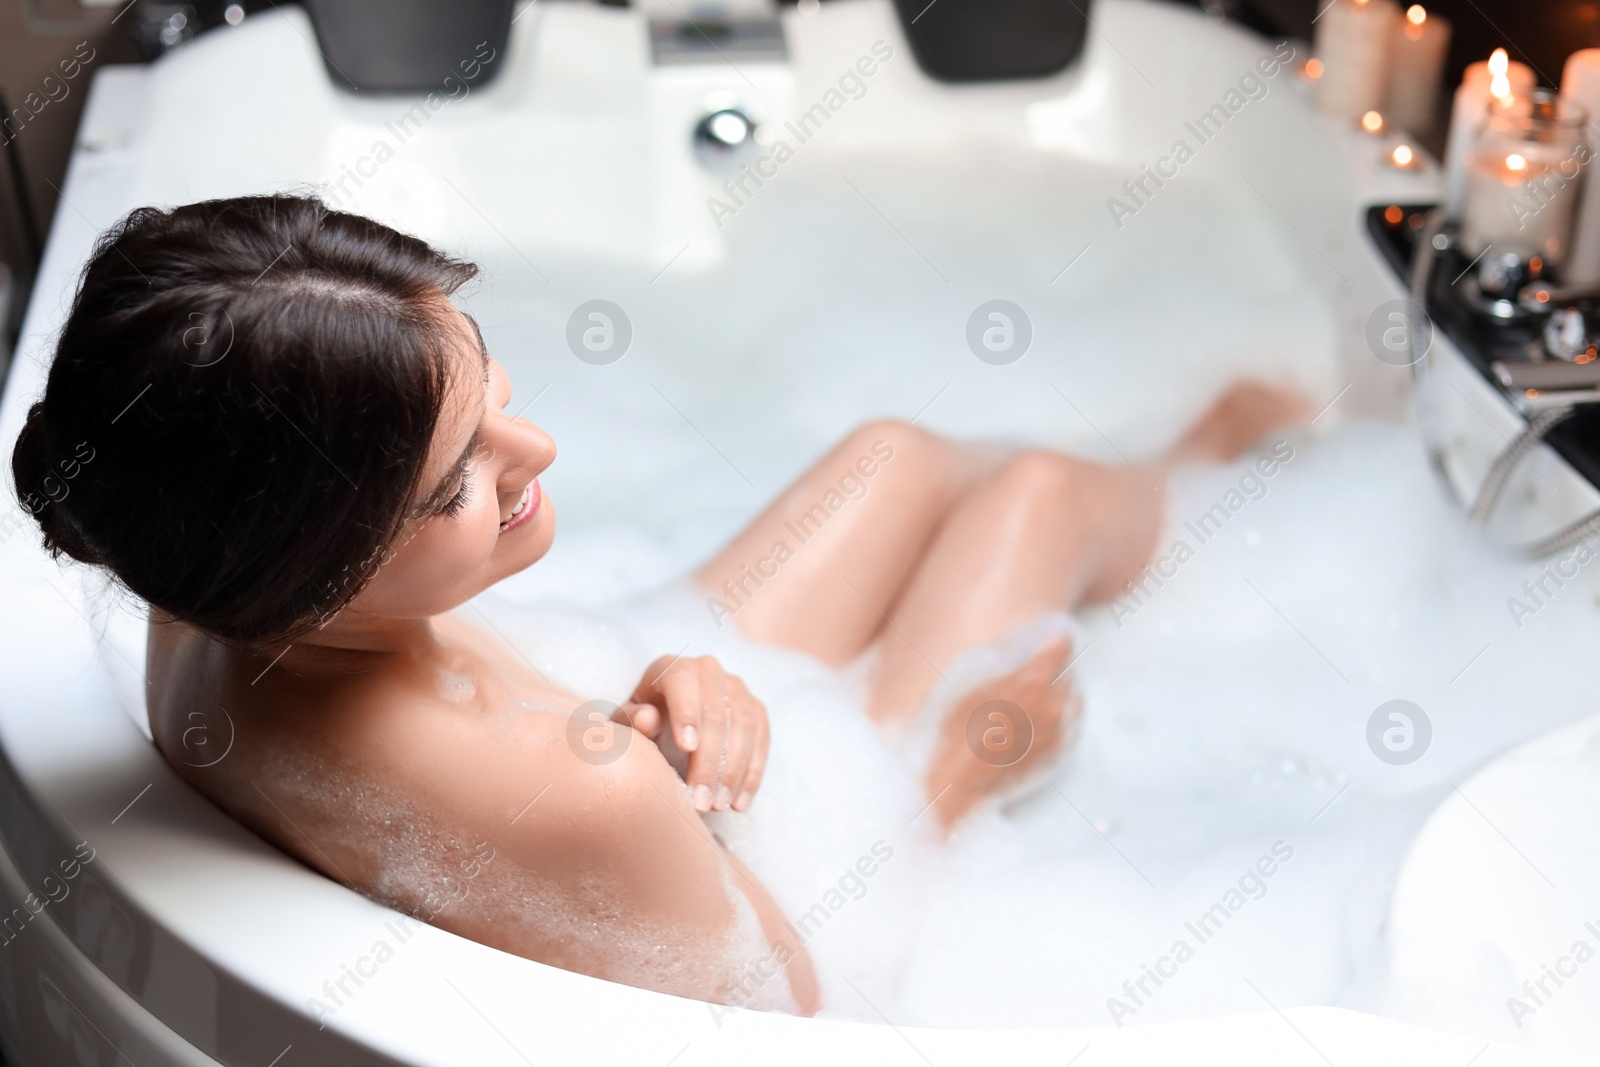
(1497, 81)
(1416, 66)
(1494, 184)
(1403, 157)
(1581, 81)
(1372, 122)
(1522, 185)
(1353, 38)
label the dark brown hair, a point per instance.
(239, 408)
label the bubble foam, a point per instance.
(1225, 715)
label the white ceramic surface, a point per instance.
(187, 940)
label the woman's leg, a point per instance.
(938, 545)
(943, 549)
(1043, 533)
(821, 567)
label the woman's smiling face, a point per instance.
(480, 514)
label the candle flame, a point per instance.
(1416, 15)
(1313, 68)
(1516, 161)
(1402, 155)
(1372, 122)
(1499, 81)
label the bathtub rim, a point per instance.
(38, 815)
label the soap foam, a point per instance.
(1226, 715)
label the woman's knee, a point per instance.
(908, 455)
(1037, 476)
(918, 472)
(885, 440)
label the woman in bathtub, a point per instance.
(267, 420)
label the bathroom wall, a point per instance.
(36, 37)
(1541, 33)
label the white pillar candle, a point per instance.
(1468, 112)
(1353, 38)
(1580, 80)
(1416, 68)
(1501, 211)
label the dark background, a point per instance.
(1540, 33)
(36, 34)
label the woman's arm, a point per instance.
(606, 868)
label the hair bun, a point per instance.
(42, 490)
(284, 379)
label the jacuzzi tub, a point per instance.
(839, 291)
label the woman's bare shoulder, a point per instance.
(502, 820)
(350, 776)
(608, 846)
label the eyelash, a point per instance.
(454, 505)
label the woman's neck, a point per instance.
(349, 635)
(352, 631)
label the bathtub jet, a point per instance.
(852, 85)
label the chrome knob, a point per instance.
(724, 137)
(1568, 335)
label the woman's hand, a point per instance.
(714, 719)
(1003, 732)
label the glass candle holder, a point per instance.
(1524, 175)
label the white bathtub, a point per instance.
(185, 940)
